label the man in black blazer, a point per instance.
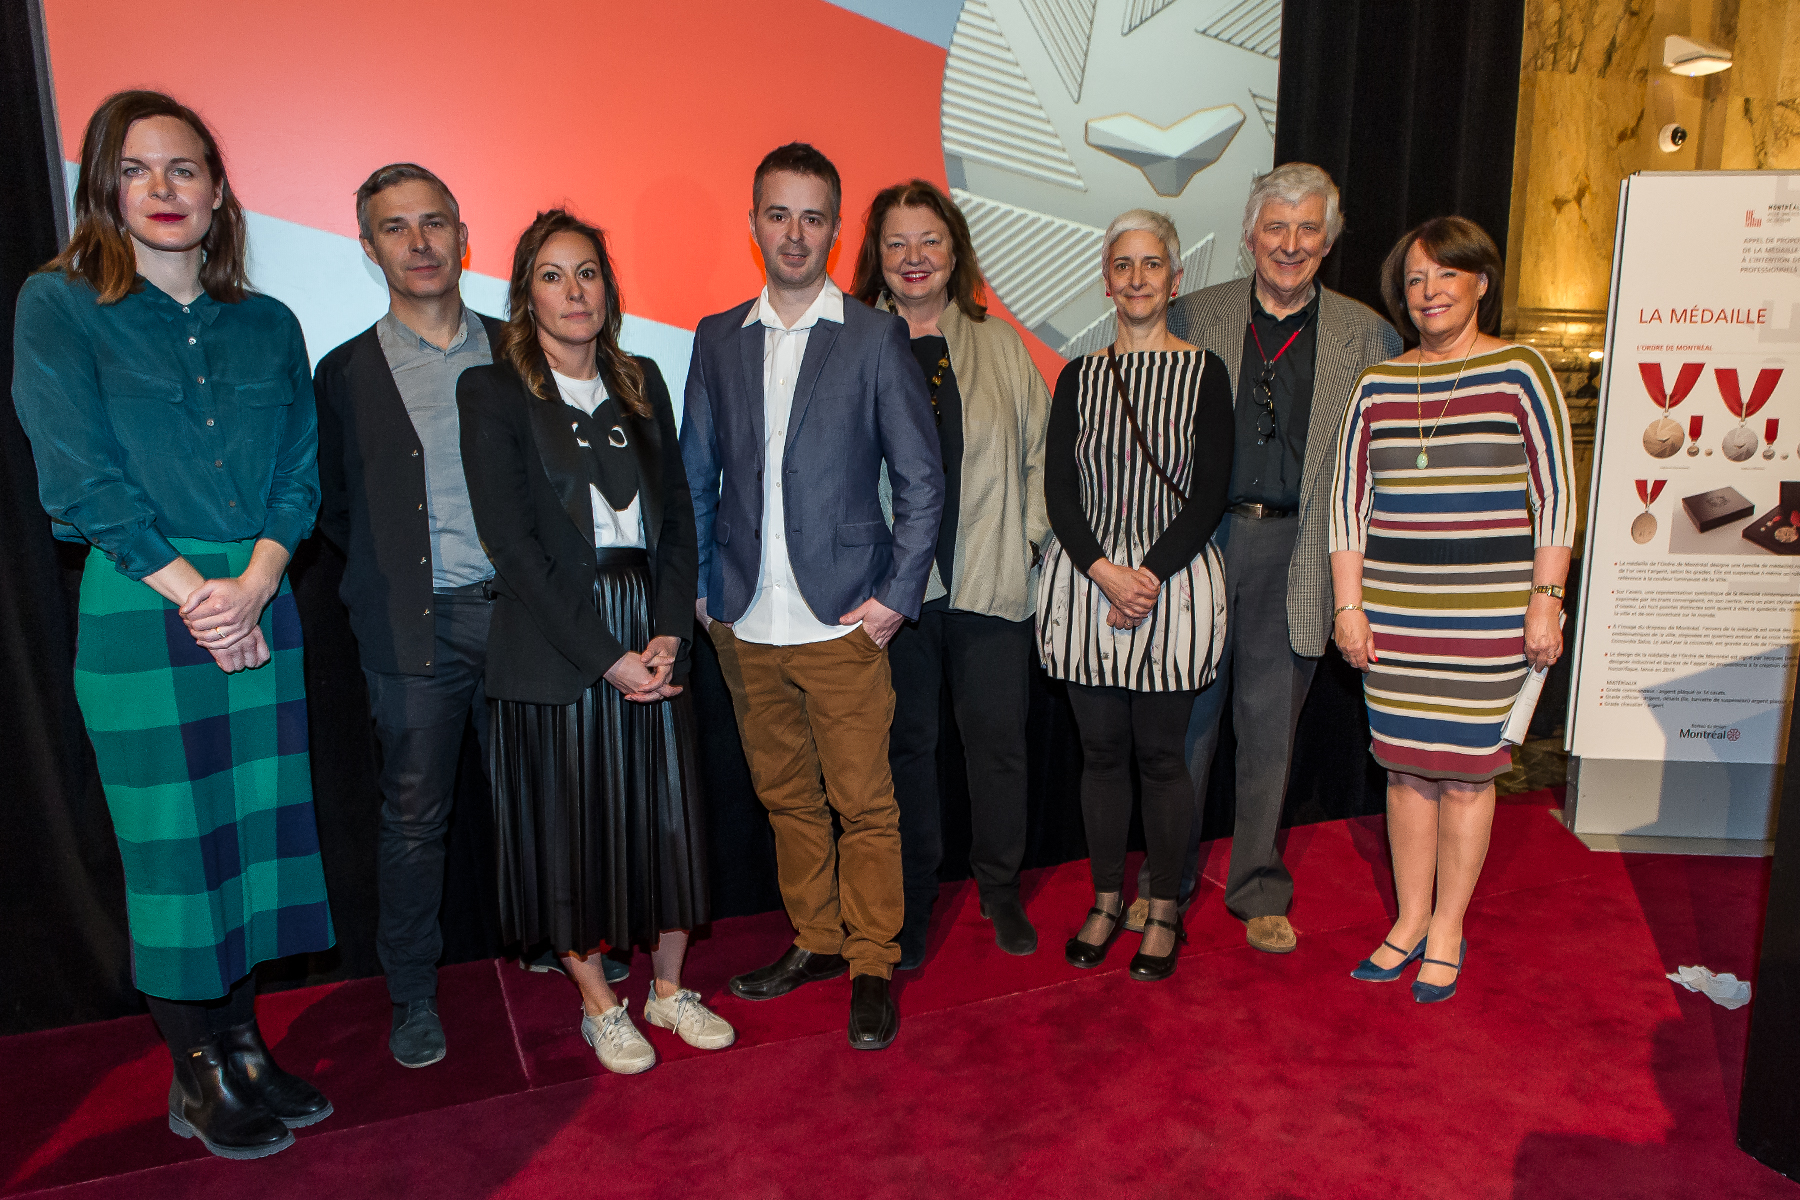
(794, 402)
(415, 577)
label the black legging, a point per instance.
(187, 1023)
(1111, 720)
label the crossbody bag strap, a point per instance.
(1136, 430)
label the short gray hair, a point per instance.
(1291, 183)
(393, 175)
(1148, 221)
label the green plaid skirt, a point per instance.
(207, 779)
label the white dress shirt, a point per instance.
(612, 527)
(778, 613)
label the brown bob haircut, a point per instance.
(965, 277)
(100, 250)
(623, 377)
(801, 159)
(1450, 242)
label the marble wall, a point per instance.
(1593, 99)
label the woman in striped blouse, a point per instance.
(1131, 601)
(1452, 517)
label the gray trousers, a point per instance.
(1265, 683)
(419, 722)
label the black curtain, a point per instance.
(1411, 106)
(1347, 79)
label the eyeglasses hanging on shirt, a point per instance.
(1265, 381)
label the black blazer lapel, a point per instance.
(646, 447)
(557, 450)
(819, 342)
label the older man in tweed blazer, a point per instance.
(1293, 352)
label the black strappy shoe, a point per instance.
(1153, 967)
(1086, 954)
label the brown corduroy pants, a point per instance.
(814, 723)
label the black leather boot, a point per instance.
(296, 1102)
(210, 1101)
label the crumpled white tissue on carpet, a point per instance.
(1726, 989)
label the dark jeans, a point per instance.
(419, 722)
(1112, 722)
(988, 663)
(1265, 683)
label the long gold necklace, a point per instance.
(1419, 402)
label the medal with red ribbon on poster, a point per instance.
(1663, 438)
(1770, 428)
(1643, 526)
(1741, 443)
(1694, 424)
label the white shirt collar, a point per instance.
(828, 305)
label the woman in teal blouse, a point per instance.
(171, 417)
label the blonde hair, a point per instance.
(1149, 221)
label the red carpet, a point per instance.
(1565, 1066)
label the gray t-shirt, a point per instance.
(426, 377)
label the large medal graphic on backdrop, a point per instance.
(1060, 114)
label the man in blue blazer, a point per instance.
(794, 402)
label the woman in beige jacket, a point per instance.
(975, 629)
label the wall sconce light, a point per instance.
(1685, 56)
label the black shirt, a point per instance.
(929, 351)
(1266, 470)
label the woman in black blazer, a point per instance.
(580, 499)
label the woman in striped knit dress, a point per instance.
(1452, 518)
(1131, 601)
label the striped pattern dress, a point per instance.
(1448, 548)
(1128, 507)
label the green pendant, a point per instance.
(1421, 460)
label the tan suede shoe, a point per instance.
(1271, 935)
(1134, 916)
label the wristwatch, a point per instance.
(1549, 589)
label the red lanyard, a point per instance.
(1267, 361)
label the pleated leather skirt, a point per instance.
(597, 804)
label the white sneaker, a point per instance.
(617, 1042)
(696, 1024)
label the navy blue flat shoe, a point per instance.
(1431, 993)
(1368, 972)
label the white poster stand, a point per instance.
(1685, 654)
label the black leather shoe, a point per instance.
(874, 1019)
(1078, 953)
(1013, 932)
(296, 1102)
(786, 973)
(210, 1101)
(1153, 967)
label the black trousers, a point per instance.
(987, 661)
(1113, 722)
(1265, 683)
(419, 722)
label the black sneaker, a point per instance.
(418, 1036)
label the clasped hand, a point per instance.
(1130, 592)
(223, 616)
(643, 676)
